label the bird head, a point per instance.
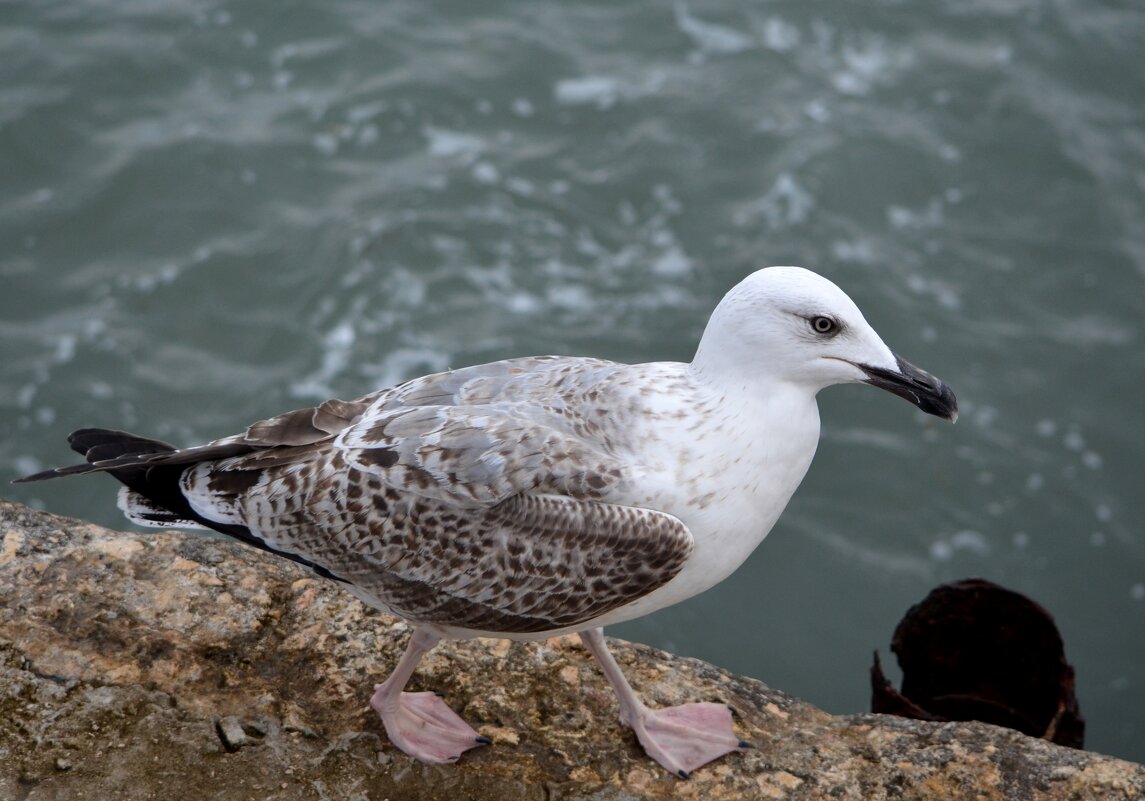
(791, 325)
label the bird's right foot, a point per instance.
(421, 725)
(682, 738)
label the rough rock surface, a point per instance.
(166, 665)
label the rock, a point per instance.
(134, 659)
(232, 734)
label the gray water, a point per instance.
(211, 212)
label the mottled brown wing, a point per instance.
(499, 508)
(481, 518)
(529, 564)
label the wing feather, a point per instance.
(530, 564)
(482, 499)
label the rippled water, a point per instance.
(212, 212)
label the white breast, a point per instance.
(727, 469)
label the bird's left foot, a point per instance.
(682, 738)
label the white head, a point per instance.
(790, 325)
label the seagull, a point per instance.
(536, 496)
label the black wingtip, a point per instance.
(483, 740)
(43, 475)
(57, 472)
(683, 774)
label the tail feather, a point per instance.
(128, 457)
(151, 472)
(145, 466)
(99, 444)
(103, 449)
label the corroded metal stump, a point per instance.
(973, 650)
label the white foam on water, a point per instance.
(325, 143)
(671, 263)
(404, 363)
(337, 349)
(880, 561)
(780, 36)
(930, 216)
(600, 90)
(364, 112)
(712, 37)
(867, 63)
(965, 541)
(485, 173)
(444, 143)
(785, 204)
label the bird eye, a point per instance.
(824, 325)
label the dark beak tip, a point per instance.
(952, 407)
(928, 393)
(947, 405)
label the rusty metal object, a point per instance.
(975, 651)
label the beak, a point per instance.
(917, 386)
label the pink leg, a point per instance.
(681, 738)
(420, 723)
